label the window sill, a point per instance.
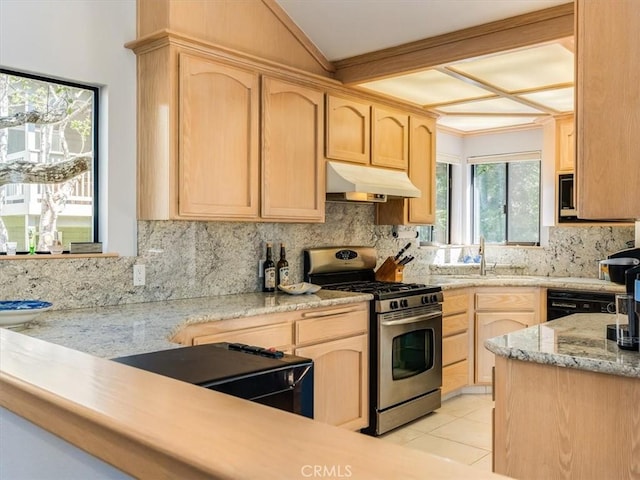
(48, 256)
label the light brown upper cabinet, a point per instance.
(218, 140)
(608, 109)
(422, 165)
(389, 138)
(199, 152)
(292, 153)
(348, 130)
(565, 144)
(357, 132)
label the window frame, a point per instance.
(427, 231)
(95, 171)
(473, 220)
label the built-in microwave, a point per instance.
(566, 198)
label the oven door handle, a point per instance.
(417, 319)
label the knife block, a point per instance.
(390, 271)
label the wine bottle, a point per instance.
(283, 267)
(269, 284)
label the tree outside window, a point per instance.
(48, 135)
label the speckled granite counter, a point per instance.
(577, 341)
(146, 327)
(474, 280)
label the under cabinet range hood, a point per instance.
(357, 183)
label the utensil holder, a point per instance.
(390, 271)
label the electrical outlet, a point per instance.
(139, 275)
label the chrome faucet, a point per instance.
(481, 252)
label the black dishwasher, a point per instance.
(253, 373)
(561, 303)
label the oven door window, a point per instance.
(412, 353)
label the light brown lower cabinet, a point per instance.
(564, 423)
(499, 311)
(335, 338)
(278, 336)
(455, 340)
(455, 376)
(341, 392)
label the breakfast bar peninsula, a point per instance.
(566, 402)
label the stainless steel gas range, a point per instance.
(405, 334)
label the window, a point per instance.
(440, 232)
(48, 135)
(506, 202)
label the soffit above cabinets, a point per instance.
(511, 88)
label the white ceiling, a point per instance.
(344, 28)
(539, 81)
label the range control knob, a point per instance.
(404, 303)
(393, 304)
(424, 300)
(434, 298)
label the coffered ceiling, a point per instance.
(508, 88)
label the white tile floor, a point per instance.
(459, 430)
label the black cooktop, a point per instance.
(384, 290)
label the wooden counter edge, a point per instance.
(151, 426)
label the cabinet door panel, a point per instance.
(340, 372)
(455, 303)
(455, 376)
(565, 145)
(390, 139)
(348, 130)
(293, 163)
(455, 348)
(269, 336)
(422, 169)
(218, 146)
(455, 324)
(608, 109)
(328, 324)
(489, 325)
(507, 301)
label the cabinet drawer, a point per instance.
(278, 335)
(455, 304)
(327, 324)
(455, 324)
(455, 376)
(455, 348)
(506, 301)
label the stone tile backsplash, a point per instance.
(194, 259)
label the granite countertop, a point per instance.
(145, 327)
(448, 282)
(130, 329)
(577, 341)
